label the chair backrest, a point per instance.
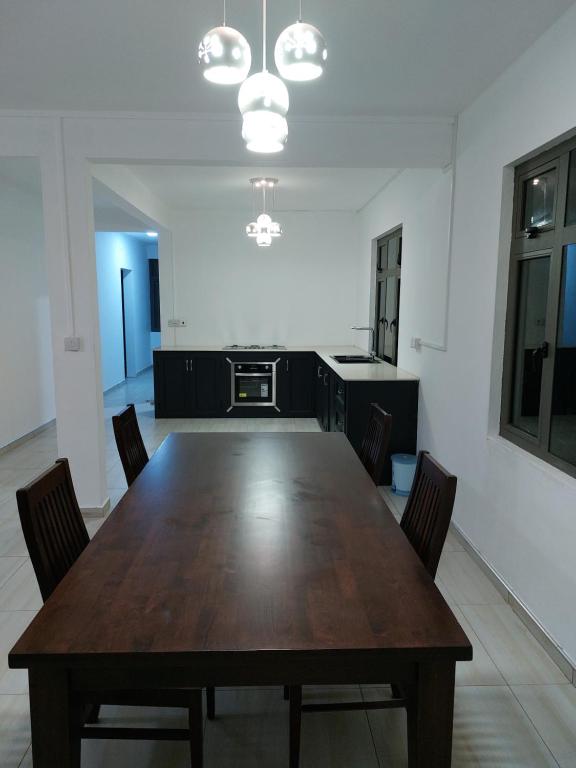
(428, 511)
(376, 440)
(130, 444)
(52, 524)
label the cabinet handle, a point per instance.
(187, 369)
(325, 377)
(190, 369)
(319, 374)
(287, 365)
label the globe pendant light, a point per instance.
(225, 55)
(300, 52)
(264, 229)
(263, 101)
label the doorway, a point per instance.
(387, 295)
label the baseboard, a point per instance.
(27, 436)
(95, 512)
(552, 648)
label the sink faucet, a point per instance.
(367, 328)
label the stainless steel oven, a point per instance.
(253, 383)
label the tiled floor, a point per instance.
(139, 389)
(513, 706)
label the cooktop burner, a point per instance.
(255, 346)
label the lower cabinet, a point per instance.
(188, 385)
(295, 384)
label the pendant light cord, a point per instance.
(224, 24)
(300, 11)
(264, 35)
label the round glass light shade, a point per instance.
(300, 52)
(263, 91)
(264, 132)
(264, 239)
(225, 56)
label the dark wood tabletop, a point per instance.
(245, 559)
(245, 542)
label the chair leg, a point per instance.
(211, 702)
(295, 695)
(93, 714)
(195, 726)
(286, 693)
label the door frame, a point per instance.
(380, 275)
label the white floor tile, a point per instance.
(14, 729)
(513, 649)
(552, 709)
(465, 581)
(20, 592)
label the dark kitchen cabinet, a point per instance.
(187, 385)
(295, 384)
(322, 386)
(173, 385)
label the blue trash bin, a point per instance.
(403, 469)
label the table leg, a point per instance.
(431, 716)
(55, 719)
(295, 696)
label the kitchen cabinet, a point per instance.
(323, 387)
(295, 384)
(188, 385)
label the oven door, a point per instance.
(253, 384)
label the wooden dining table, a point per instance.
(245, 559)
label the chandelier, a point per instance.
(300, 55)
(264, 229)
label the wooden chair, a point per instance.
(131, 447)
(425, 522)
(56, 536)
(374, 450)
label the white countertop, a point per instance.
(346, 371)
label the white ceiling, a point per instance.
(299, 189)
(386, 57)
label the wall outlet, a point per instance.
(175, 323)
(72, 344)
(416, 342)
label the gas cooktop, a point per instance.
(255, 346)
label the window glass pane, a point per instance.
(530, 335)
(563, 421)
(539, 194)
(394, 253)
(571, 197)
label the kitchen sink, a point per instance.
(356, 359)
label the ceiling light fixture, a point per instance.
(300, 51)
(263, 101)
(300, 54)
(264, 229)
(225, 55)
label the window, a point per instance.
(387, 293)
(539, 387)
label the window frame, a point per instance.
(382, 274)
(550, 241)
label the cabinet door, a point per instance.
(208, 374)
(174, 385)
(319, 386)
(301, 385)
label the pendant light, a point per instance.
(263, 101)
(225, 55)
(300, 52)
(264, 229)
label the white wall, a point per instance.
(116, 251)
(516, 510)
(301, 290)
(26, 372)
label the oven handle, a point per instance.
(255, 375)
